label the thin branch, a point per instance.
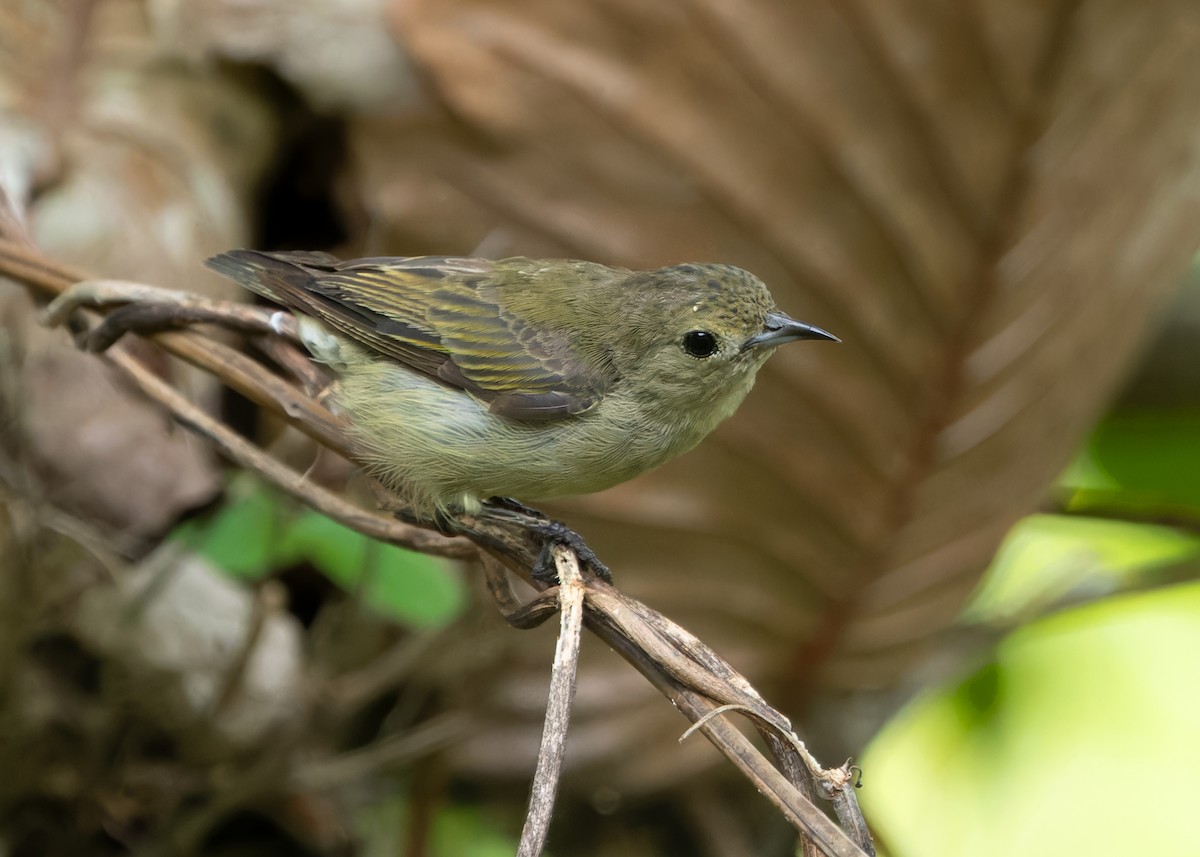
(520, 615)
(246, 376)
(610, 619)
(149, 309)
(433, 735)
(351, 690)
(571, 591)
(798, 774)
(849, 813)
(250, 457)
(268, 603)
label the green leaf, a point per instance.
(261, 531)
(410, 587)
(1087, 744)
(243, 537)
(1046, 556)
(1143, 457)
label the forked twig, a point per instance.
(687, 672)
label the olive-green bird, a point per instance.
(467, 379)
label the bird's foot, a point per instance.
(557, 533)
(551, 533)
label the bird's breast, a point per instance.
(440, 444)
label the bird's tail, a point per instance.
(278, 277)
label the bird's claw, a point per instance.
(551, 533)
(557, 533)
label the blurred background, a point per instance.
(960, 547)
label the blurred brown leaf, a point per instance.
(130, 165)
(339, 55)
(105, 453)
(988, 202)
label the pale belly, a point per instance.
(443, 449)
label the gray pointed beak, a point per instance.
(779, 329)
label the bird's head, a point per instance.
(699, 333)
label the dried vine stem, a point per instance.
(686, 671)
(247, 455)
(21, 262)
(571, 591)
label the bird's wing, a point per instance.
(441, 316)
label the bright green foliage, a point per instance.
(411, 587)
(1140, 458)
(1047, 558)
(1080, 736)
(243, 538)
(261, 532)
(1080, 739)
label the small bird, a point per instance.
(467, 379)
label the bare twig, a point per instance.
(136, 307)
(571, 591)
(845, 806)
(247, 455)
(798, 774)
(697, 681)
(519, 615)
(248, 377)
(390, 753)
(351, 690)
(268, 602)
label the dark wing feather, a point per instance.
(443, 316)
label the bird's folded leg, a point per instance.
(147, 309)
(550, 532)
(512, 504)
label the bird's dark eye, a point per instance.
(699, 343)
